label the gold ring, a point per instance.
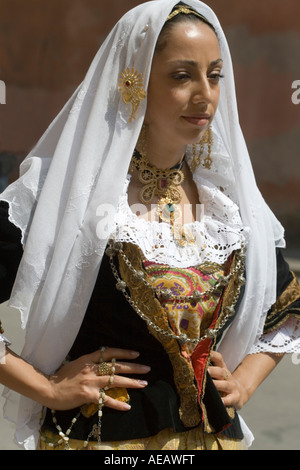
(104, 369)
(226, 374)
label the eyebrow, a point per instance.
(193, 63)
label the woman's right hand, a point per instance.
(78, 382)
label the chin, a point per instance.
(196, 136)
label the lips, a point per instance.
(198, 119)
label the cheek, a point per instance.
(163, 102)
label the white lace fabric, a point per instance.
(219, 232)
(283, 340)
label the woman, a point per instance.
(154, 130)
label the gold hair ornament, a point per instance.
(131, 86)
(186, 10)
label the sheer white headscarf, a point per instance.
(71, 181)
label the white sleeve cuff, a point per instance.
(284, 340)
(3, 343)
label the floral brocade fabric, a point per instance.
(186, 317)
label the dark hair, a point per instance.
(179, 18)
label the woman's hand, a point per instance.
(230, 389)
(237, 388)
(78, 382)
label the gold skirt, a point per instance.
(194, 439)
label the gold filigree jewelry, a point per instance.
(183, 235)
(207, 139)
(104, 369)
(131, 86)
(157, 182)
(186, 10)
(163, 184)
(168, 211)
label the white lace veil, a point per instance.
(78, 169)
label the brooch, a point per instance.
(131, 87)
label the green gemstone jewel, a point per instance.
(170, 207)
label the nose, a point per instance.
(202, 93)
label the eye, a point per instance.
(181, 76)
(215, 77)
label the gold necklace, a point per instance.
(161, 183)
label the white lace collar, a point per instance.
(219, 232)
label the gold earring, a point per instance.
(131, 86)
(207, 139)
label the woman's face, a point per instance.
(183, 91)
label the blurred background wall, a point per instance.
(46, 47)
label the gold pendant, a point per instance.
(168, 211)
(172, 214)
(183, 235)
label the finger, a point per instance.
(121, 382)
(127, 368)
(224, 386)
(118, 353)
(229, 400)
(124, 368)
(110, 402)
(217, 359)
(219, 373)
(110, 353)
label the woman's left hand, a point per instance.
(229, 388)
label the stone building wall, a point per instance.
(46, 47)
